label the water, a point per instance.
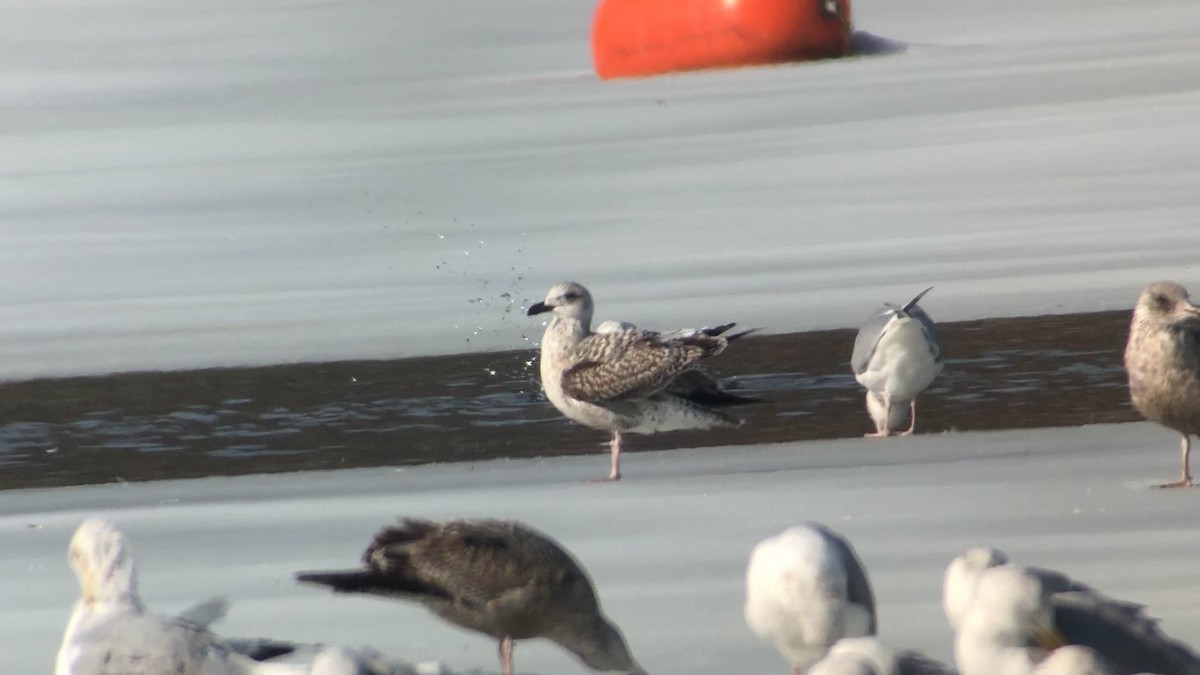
(1000, 373)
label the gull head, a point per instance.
(567, 300)
(102, 560)
(1014, 608)
(599, 644)
(962, 576)
(1165, 303)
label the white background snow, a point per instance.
(225, 182)
(222, 182)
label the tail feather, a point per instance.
(370, 582)
(742, 334)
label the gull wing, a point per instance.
(868, 337)
(632, 364)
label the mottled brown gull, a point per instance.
(1162, 358)
(111, 633)
(499, 578)
(897, 354)
(1009, 614)
(628, 380)
(805, 590)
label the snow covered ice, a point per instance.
(208, 183)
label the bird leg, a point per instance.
(614, 473)
(506, 660)
(912, 418)
(1185, 479)
(882, 431)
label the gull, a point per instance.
(628, 380)
(499, 578)
(805, 590)
(1072, 660)
(1122, 635)
(897, 353)
(870, 656)
(1162, 358)
(111, 633)
(1008, 627)
(367, 661)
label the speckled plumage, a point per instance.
(624, 379)
(500, 578)
(1162, 359)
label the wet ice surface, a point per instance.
(1000, 373)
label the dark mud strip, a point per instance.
(1000, 373)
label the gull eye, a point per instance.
(1161, 301)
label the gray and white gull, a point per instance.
(1162, 359)
(897, 354)
(499, 578)
(1009, 619)
(625, 379)
(870, 656)
(110, 632)
(805, 590)
(368, 661)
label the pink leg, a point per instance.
(1185, 479)
(506, 660)
(912, 418)
(614, 473)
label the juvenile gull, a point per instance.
(1162, 358)
(870, 656)
(805, 590)
(628, 380)
(1122, 635)
(500, 578)
(111, 633)
(897, 353)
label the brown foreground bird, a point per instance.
(496, 577)
(1162, 359)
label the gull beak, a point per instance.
(538, 308)
(1049, 638)
(1187, 312)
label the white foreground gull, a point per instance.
(805, 590)
(1072, 660)
(870, 656)
(499, 578)
(628, 380)
(1162, 359)
(1008, 627)
(897, 354)
(1124, 638)
(111, 633)
(367, 661)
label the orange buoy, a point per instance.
(649, 37)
